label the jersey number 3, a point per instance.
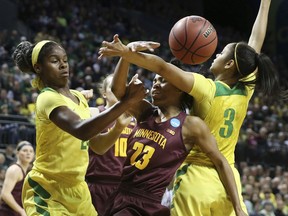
(227, 130)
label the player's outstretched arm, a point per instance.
(258, 33)
(179, 78)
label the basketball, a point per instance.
(193, 40)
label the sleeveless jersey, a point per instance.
(156, 151)
(59, 155)
(223, 109)
(16, 193)
(108, 167)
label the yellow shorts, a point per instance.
(198, 191)
(43, 196)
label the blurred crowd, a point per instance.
(80, 27)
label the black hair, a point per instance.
(267, 77)
(22, 55)
(186, 100)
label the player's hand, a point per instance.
(137, 46)
(135, 91)
(123, 120)
(114, 48)
(88, 94)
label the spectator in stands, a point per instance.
(268, 209)
(10, 157)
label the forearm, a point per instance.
(145, 60)
(86, 129)
(11, 202)
(227, 178)
(258, 33)
(120, 78)
(104, 141)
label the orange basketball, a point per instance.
(193, 40)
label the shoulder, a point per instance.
(14, 171)
(194, 125)
(46, 95)
(193, 121)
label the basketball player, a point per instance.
(159, 143)
(104, 171)
(222, 104)
(11, 204)
(64, 130)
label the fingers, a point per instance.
(116, 38)
(138, 46)
(135, 79)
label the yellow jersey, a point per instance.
(59, 155)
(223, 109)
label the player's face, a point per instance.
(219, 63)
(26, 154)
(164, 93)
(55, 69)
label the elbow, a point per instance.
(98, 150)
(3, 197)
(220, 164)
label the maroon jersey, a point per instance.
(156, 151)
(108, 167)
(5, 210)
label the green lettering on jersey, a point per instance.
(227, 130)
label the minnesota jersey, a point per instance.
(59, 155)
(156, 151)
(108, 167)
(223, 109)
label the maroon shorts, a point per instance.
(100, 193)
(131, 202)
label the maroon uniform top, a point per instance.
(108, 167)
(16, 193)
(156, 151)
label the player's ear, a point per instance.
(104, 95)
(37, 68)
(230, 63)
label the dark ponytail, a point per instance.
(266, 79)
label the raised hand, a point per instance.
(88, 94)
(137, 46)
(123, 120)
(114, 48)
(135, 91)
(117, 48)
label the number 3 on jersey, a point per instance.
(142, 154)
(227, 130)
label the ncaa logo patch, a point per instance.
(175, 122)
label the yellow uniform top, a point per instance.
(223, 109)
(59, 155)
